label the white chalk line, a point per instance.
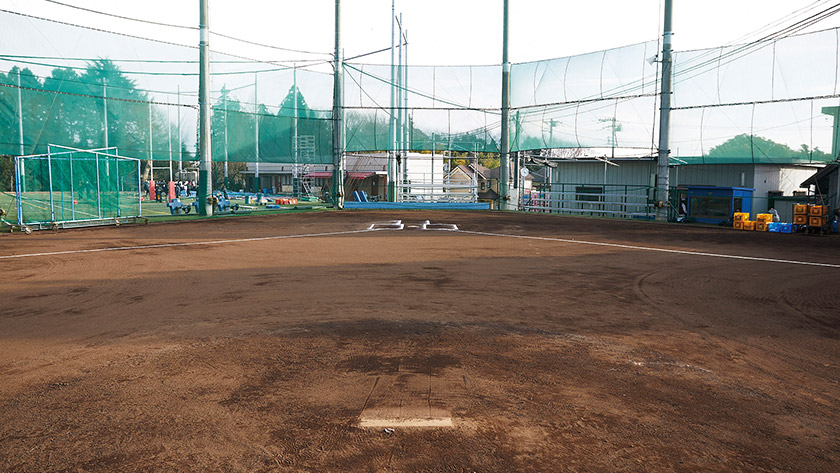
(193, 243)
(663, 250)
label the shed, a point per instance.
(712, 204)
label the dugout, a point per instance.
(712, 204)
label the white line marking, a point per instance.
(389, 225)
(194, 243)
(663, 250)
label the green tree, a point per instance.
(750, 147)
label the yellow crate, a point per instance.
(738, 224)
(766, 218)
(800, 209)
(749, 225)
(741, 216)
(817, 210)
(817, 221)
(761, 226)
(800, 219)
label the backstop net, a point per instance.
(769, 101)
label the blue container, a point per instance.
(788, 228)
(775, 227)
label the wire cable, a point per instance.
(169, 25)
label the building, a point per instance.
(824, 186)
(363, 172)
(582, 181)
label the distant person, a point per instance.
(775, 214)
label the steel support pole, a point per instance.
(180, 144)
(392, 170)
(19, 176)
(139, 191)
(295, 140)
(20, 116)
(227, 149)
(256, 138)
(98, 188)
(169, 130)
(105, 106)
(151, 148)
(49, 173)
(504, 161)
(662, 177)
(205, 184)
(72, 192)
(338, 107)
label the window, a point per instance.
(710, 207)
(589, 193)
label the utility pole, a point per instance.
(662, 177)
(205, 183)
(504, 162)
(338, 107)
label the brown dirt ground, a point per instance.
(548, 356)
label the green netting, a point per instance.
(77, 186)
(761, 102)
(756, 104)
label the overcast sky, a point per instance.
(446, 32)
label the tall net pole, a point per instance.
(227, 152)
(662, 178)
(20, 115)
(392, 131)
(504, 170)
(256, 138)
(338, 103)
(205, 185)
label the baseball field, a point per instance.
(419, 341)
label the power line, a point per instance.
(254, 43)
(121, 17)
(146, 61)
(138, 20)
(276, 63)
(148, 73)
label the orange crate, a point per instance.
(817, 210)
(764, 218)
(800, 209)
(738, 224)
(799, 219)
(749, 225)
(761, 226)
(817, 221)
(742, 216)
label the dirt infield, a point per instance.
(291, 343)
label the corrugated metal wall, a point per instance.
(764, 178)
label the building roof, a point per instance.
(820, 175)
